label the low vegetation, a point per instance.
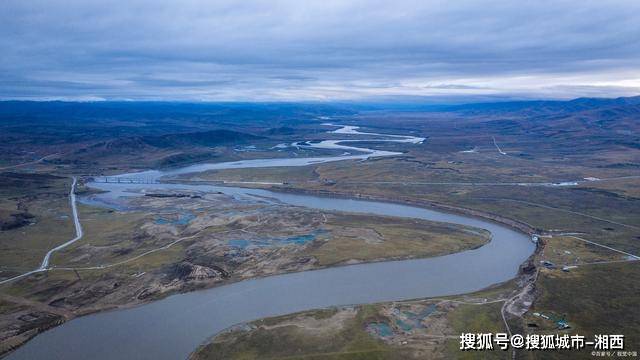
(594, 299)
(568, 170)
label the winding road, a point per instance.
(44, 266)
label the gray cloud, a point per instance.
(317, 50)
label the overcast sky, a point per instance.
(318, 50)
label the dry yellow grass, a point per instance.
(370, 238)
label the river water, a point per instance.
(173, 327)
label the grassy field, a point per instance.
(272, 174)
(44, 200)
(322, 334)
(367, 238)
(475, 319)
(108, 237)
(594, 299)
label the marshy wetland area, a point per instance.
(316, 232)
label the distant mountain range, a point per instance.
(579, 104)
(124, 110)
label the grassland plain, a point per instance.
(35, 217)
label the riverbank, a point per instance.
(126, 285)
(515, 224)
(410, 329)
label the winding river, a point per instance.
(173, 327)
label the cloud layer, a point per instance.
(317, 50)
